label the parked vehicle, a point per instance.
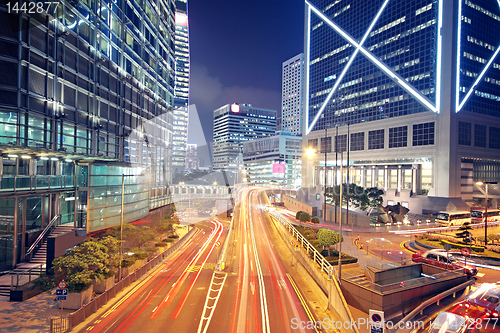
(439, 258)
(448, 219)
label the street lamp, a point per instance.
(485, 210)
(147, 176)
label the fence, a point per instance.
(318, 267)
(67, 323)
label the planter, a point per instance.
(75, 301)
(139, 263)
(101, 286)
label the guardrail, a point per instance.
(33, 183)
(427, 303)
(67, 323)
(329, 284)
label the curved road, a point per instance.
(256, 293)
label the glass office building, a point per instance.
(233, 125)
(417, 83)
(276, 159)
(181, 88)
(86, 96)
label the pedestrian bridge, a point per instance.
(160, 196)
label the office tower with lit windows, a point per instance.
(292, 94)
(86, 100)
(413, 89)
(275, 160)
(233, 125)
(181, 88)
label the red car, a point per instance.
(438, 258)
(484, 301)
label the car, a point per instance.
(483, 302)
(447, 322)
(439, 258)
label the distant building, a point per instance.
(292, 95)
(192, 156)
(418, 85)
(181, 88)
(278, 124)
(275, 159)
(233, 125)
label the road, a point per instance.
(256, 292)
(172, 296)
(261, 294)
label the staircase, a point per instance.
(34, 267)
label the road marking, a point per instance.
(402, 245)
(302, 301)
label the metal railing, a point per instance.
(33, 183)
(33, 271)
(43, 235)
(67, 323)
(435, 299)
(315, 255)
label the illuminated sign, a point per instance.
(235, 108)
(278, 168)
(181, 19)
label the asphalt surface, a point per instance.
(172, 296)
(260, 293)
(255, 293)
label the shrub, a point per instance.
(494, 248)
(141, 255)
(315, 219)
(151, 249)
(173, 236)
(161, 244)
(459, 246)
(298, 214)
(45, 282)
(168, 240)
(128, 262)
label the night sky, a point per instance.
(237, 48)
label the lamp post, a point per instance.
(324, 189)
(121, 229)
(485, 210)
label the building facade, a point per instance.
(417, 84)
(292, 94)
(192, 156)
(276, 159)
(181, 88)
(86, 99)
(233, 125)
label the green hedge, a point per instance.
(459, 246)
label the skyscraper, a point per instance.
(181, 88)
(418, 84)
(235, 124)
(86, 98)
(292, 94)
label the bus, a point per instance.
(477, 215)
(448, 219)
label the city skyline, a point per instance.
(235, 58)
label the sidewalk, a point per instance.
(32, 315)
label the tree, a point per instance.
(297, 215)
(363, 198)
(315, 219)
(464, 233)
(326, 237)
(305, 217)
